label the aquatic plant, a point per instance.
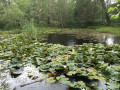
(74, 66)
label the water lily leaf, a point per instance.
(70, 73)
(51, 80)
(72, 66)
(63, 80)
(91, 70)
(97, 66)
(100, 57)
(52, 69)
(72, 84)
(4, 74)
(43, 76)
(113, 85)
(99, 88)
(79, 70)
(93, 84)
(59, 77)
(103, 68)
(97, 77)
(17, 73)
(81, 85)
(84, 73)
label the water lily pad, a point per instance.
(51, 80)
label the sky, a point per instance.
(113, 1)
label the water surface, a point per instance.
(73, 39)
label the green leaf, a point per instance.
(70, 73)
(113, 85)
(51, 80)
(63, 80)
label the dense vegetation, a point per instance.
(79, 66)
(57, 13)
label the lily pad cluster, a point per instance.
(76, 66)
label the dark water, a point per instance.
(68, 39)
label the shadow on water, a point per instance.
(70, 39)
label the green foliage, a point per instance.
(43, 24)
(55, 13)
(88, 15)
(114, 11)
(66, 64)
(10, 16)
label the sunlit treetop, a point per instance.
(115, 8)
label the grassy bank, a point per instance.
(37, 32)
(102, 29)
(109, 29)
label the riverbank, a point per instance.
(106, 29)
(101, 29)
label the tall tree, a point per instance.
(106, 11)
(48, 12)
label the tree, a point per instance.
(9, 16)
(114, 10)
(60, 13)
(86, 12)
(106, 11)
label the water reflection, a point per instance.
(63, 39)
(111, 39)
(44, 86)
(69, 40)
(66, 39)
(24, 82)
(102, 84)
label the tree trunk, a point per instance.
(65, 12)
(107, 15)
(48, 21)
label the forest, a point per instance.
(59, 44)
(58, 13)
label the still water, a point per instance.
(69, 39)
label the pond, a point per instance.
(69, 39)
(29, 77)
